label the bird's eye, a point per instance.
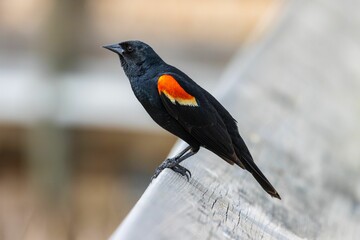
(129, 49)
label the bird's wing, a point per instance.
(245, 159)
(187, 103)
(232, 128)
(203, 118)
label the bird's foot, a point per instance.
(157, 172)
(183, 171)
(172, 164)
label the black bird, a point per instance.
(182, 107)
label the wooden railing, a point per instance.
(296, 97)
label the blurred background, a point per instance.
(76, 148)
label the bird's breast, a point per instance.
(146, 93)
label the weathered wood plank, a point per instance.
(296, 98)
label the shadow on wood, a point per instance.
(296, 98)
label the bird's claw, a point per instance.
(157, 172)
(169, 163)
(183, 171)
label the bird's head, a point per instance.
(136, 57)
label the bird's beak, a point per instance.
(116, 48)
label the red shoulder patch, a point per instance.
(168, 86)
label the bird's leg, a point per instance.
(180, 169)
(173, 163)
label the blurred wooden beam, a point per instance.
(47, 142)
(64, 35)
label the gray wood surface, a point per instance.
(296, 98)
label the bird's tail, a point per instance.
(250, 165)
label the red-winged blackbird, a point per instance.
(182, 107)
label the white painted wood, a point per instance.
(297, 103)
(88, 97)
